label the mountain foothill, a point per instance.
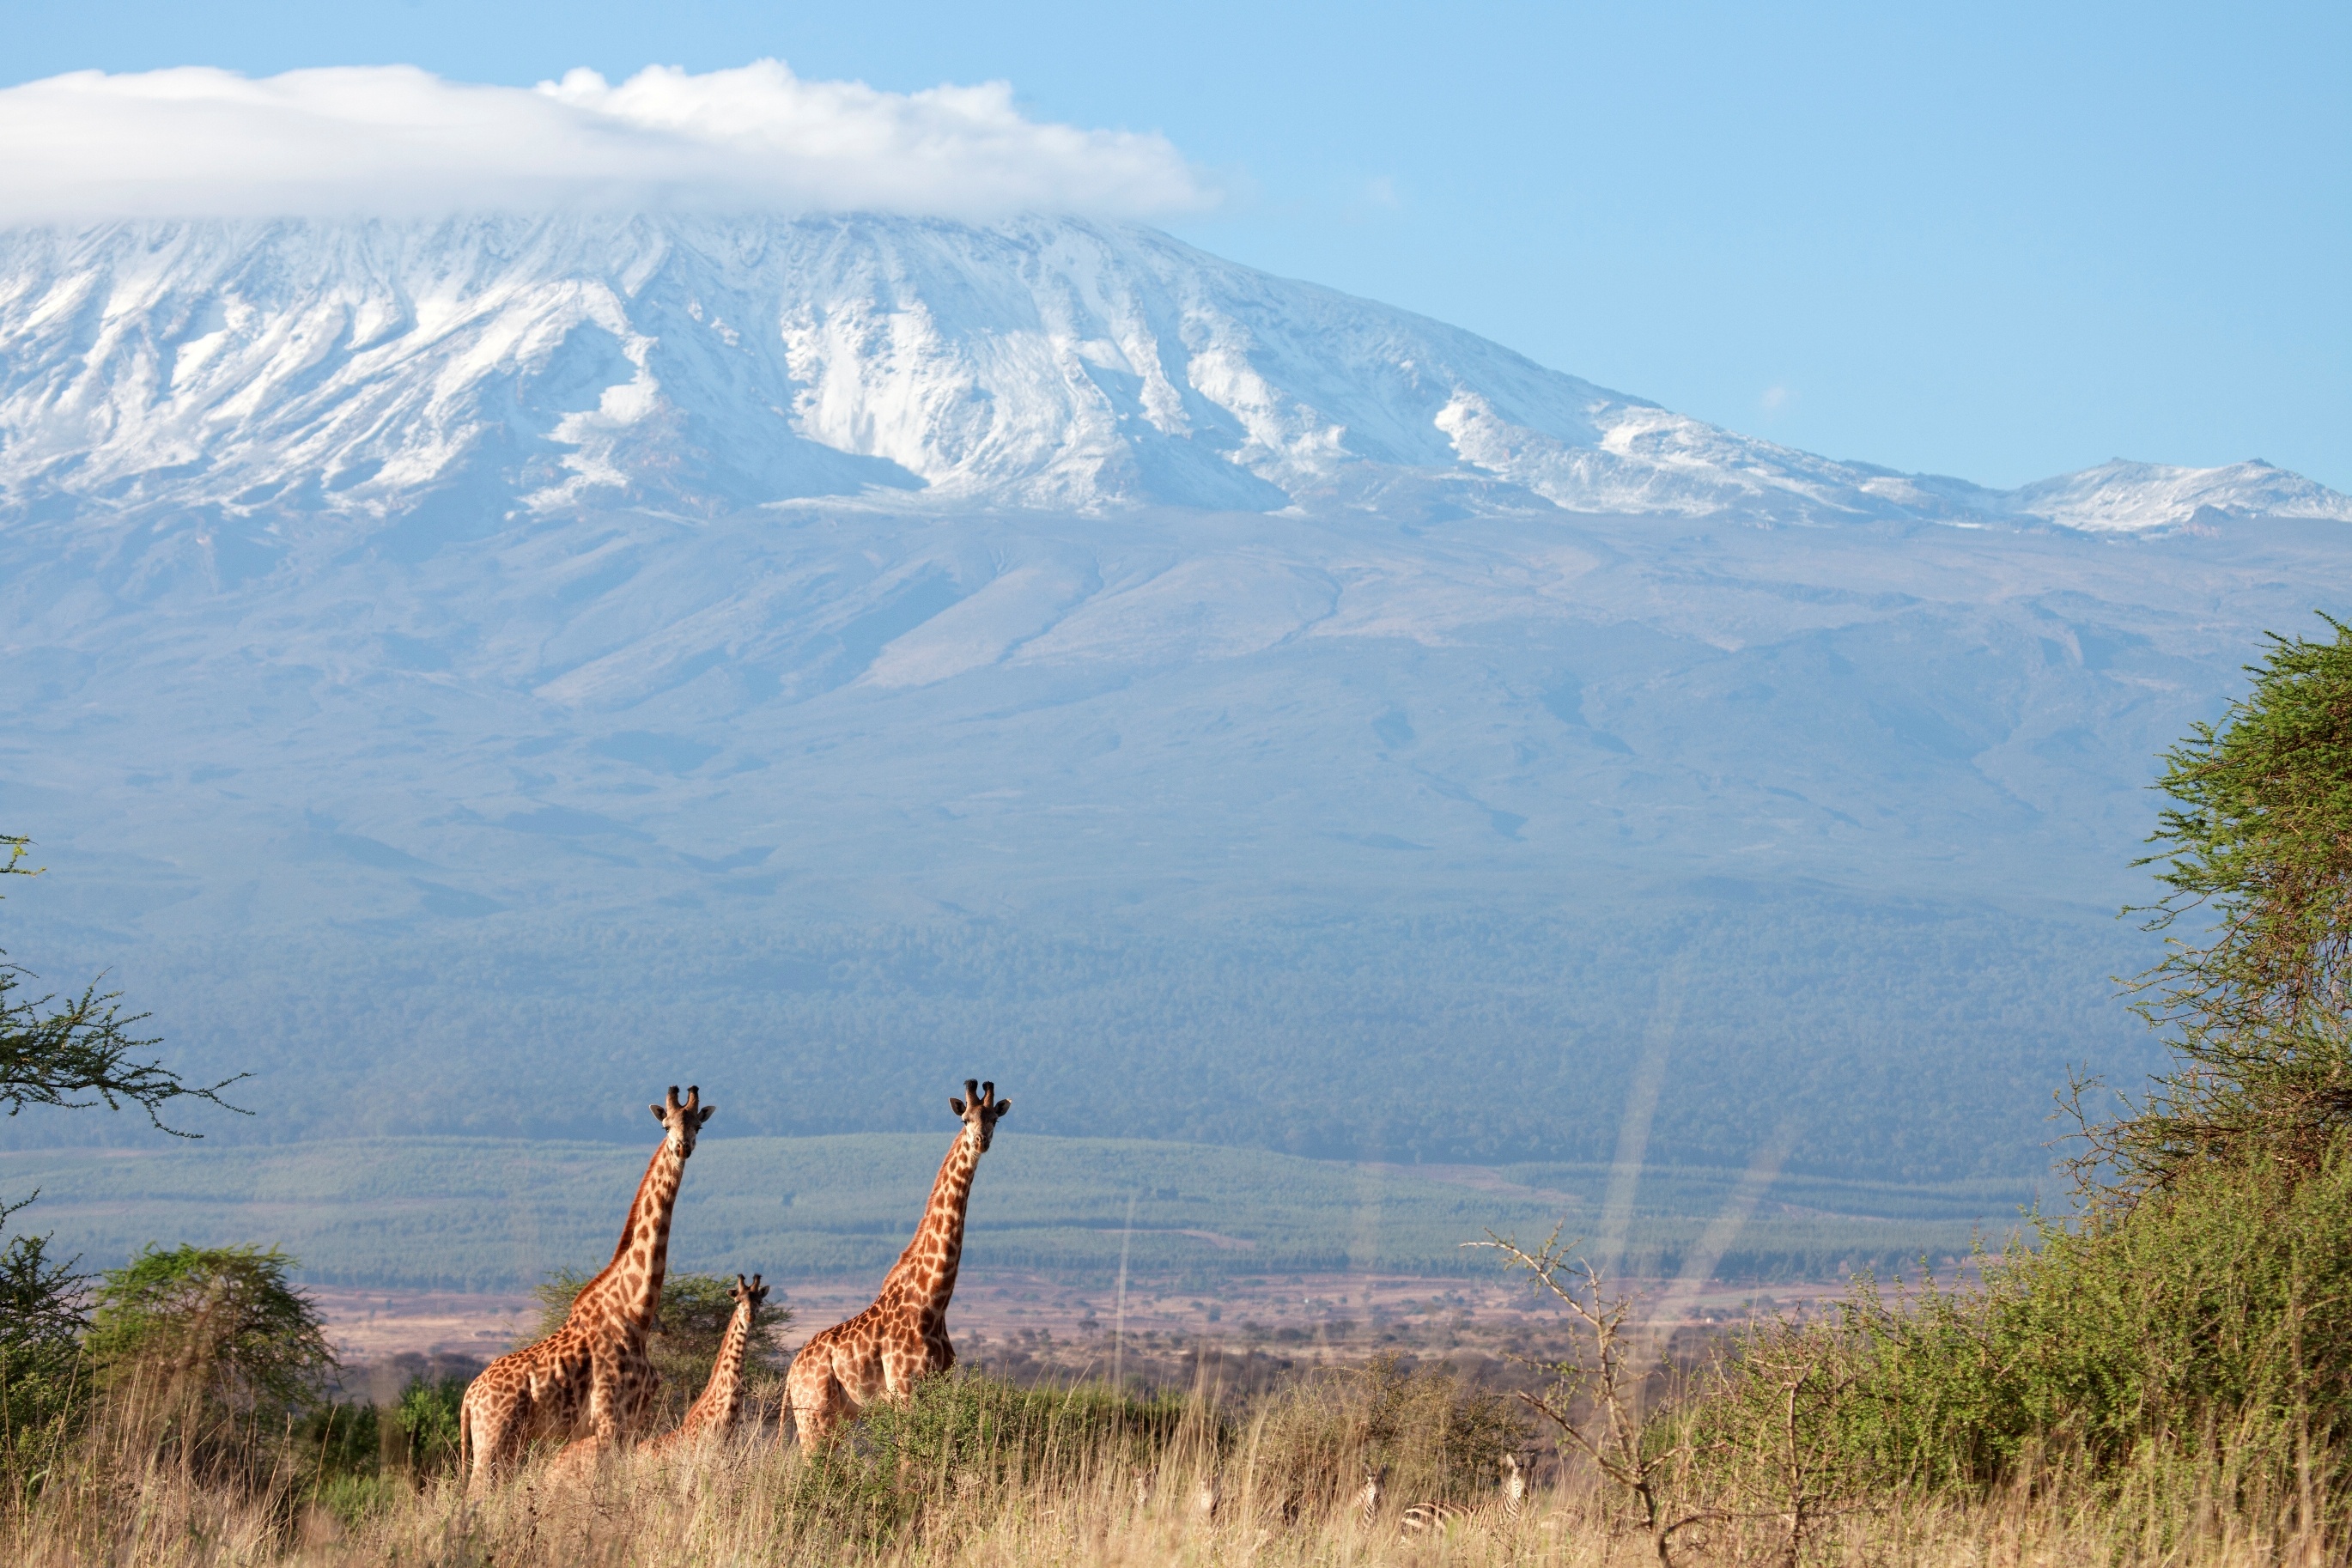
(457, 668)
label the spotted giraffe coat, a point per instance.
(902, 1338)
(592, 1383)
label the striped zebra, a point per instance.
(1433, 1518)
(1518, 1470)
(1436, 1518)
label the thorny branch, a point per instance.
(82, 1053)
(1612, 1381)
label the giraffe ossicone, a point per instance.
(902, 1338)
(591, 1383)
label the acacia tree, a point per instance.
(2257, 1013)
(80, 1054)
(211, 1330)
(76, 1055)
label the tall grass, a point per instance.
(975, 1471)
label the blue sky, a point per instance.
(1994, 241)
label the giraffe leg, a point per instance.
(819, 1407)
(473, 1441)
(819, 1402)
(488, 1425)
(576, 1460)
(814, 1393)
(606, 1402)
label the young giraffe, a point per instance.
(592, 1380)
(903, 1336)
(721, 1404)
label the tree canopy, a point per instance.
(218, 1327)
(2258, 840)
(75, 1056)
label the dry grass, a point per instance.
(759, 1501)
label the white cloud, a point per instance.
(394, 140)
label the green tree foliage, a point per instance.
(2259, 840)
(210, 1332)
(428, 1418)
(691, 1320)
(40, 1340)
(2192, 1327)
(75, 1056)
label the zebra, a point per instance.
(1435, 1518)
(1519, 1469)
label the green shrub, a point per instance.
(964, 1433)
(427, 1418)
(2194, 1327)
(340, 1439)
(2210, 1323)
(41, 1364)
(216, 1330)
(353, 1500)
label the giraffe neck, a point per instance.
(631, 1284)
(925, 1271)
(724, 1392)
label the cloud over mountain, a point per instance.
(397, 140)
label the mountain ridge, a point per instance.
(295, 374)
(464, 672)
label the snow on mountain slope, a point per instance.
(386, 607)
(297, 377)
(2123, 494)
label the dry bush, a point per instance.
(1432, 1437)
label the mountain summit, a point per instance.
(473, 663)
(448, 376)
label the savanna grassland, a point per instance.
(2160, 1374)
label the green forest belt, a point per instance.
(500, 1214)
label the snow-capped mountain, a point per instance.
(495, 664)
(333, 375)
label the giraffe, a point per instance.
(903, 1336)
(721, 1404)
(591, 1381)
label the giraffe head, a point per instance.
(683, 1120)
(748, 1294)
(980, 1109)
